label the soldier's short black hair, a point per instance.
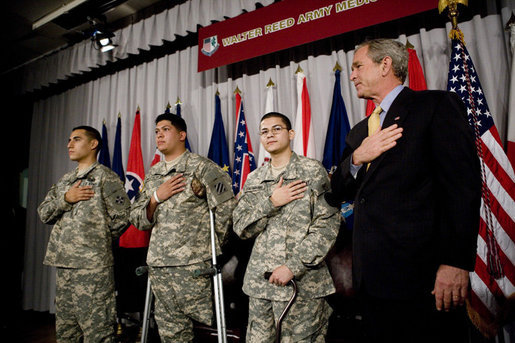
(91, 133)
(174, 119)
(284, 118)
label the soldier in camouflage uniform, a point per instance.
(174, 202)
(89, 209)
(282, 205)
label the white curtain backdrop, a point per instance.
(165, 26)
(152, 85)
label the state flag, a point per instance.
(244, 161)
(134, 238)
(218, 148)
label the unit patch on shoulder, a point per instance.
(219, 189)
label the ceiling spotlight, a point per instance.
(107, 47)
(102, 40)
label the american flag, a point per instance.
(244, 161)
(493, 279)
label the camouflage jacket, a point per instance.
(298, 234)
(83, 232)
(180, 225)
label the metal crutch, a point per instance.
(286, 308)
(216, 272)
(148, 304)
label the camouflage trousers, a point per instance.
(306, 321)
(179, 299)
(85, 305)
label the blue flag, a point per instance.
(178, 110)
(117, 155)
(103, 155)
(218, 148)
(337, 129)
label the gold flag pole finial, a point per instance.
(453, 13)
(138, 109)
(104, 121)
(270, 83)
(178, 102)
(337, 66)
(409, 45)
(237, 90)
(119, 114)
(217, 92)
(299, 70)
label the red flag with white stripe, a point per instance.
(158, 156)
(493, 279)
(304, 142)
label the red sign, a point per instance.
(294, 22)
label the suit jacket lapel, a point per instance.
(399, 109)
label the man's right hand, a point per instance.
(77, 193)
(287, 193)
(171, 187)
(167, 189)
(376, 144)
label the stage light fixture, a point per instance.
(103, 40)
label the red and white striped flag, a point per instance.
(263, 155)
(493, 279)
(510, 148)
(304, 142)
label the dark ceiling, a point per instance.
(22, 43)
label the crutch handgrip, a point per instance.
(141, 270)
(205, 272)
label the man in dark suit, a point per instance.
(415, 181)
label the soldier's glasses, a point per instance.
(275, 130)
